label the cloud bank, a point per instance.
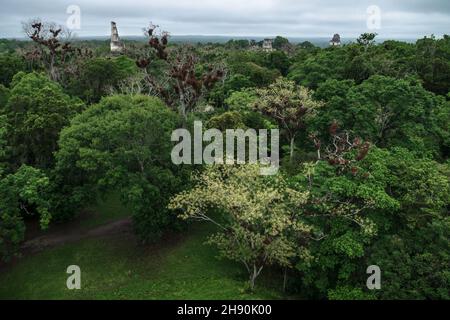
(292, 18)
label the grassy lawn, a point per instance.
(116, 267)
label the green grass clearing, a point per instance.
(116, 267)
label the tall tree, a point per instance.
(10, 64)
(123, 143)
(366, 39)
(289, 105)
(256, 215)
(387, 111)
(36, 111)
(24, 192)
(182, 84)
(52, 45)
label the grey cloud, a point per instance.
(400, 18)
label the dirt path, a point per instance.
(62, 237)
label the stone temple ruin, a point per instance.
(336, 41)
(267, 45)
(116, 45)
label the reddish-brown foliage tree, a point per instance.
(341, 146)
(182, 84)
(52, 48)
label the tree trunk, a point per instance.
(252, 281)
(284, 279)
(292, 149)
(182, 107)
(52, 69)
(255, 273)
(183, 113)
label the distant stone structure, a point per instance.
(254, 46)
(267, 45)
(336, 41)
(116, 45)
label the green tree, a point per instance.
(3, 142)
(289, 105)
(399, 223)
(415, 264)
(4, 96)
(238, 44)
(280, 42)
(366, 39)
(36, 111)
(433, 63)
(23, 193)
(227, 120)
(123, 143)
(223, 90)
(347, 197)
(278, 60)
(307, 45)
(386, 111)
(258, 75)
(10, 64)
(101, 76)
(413, 251)
(241, 100)
(359, 69)
(318, 67)
(255, 215)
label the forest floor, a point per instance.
(115, 266)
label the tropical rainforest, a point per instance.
(85, 147)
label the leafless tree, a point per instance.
(340, 146)
(52, 45)
(181, 85)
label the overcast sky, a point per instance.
(293, 18)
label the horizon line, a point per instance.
(232, 36)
